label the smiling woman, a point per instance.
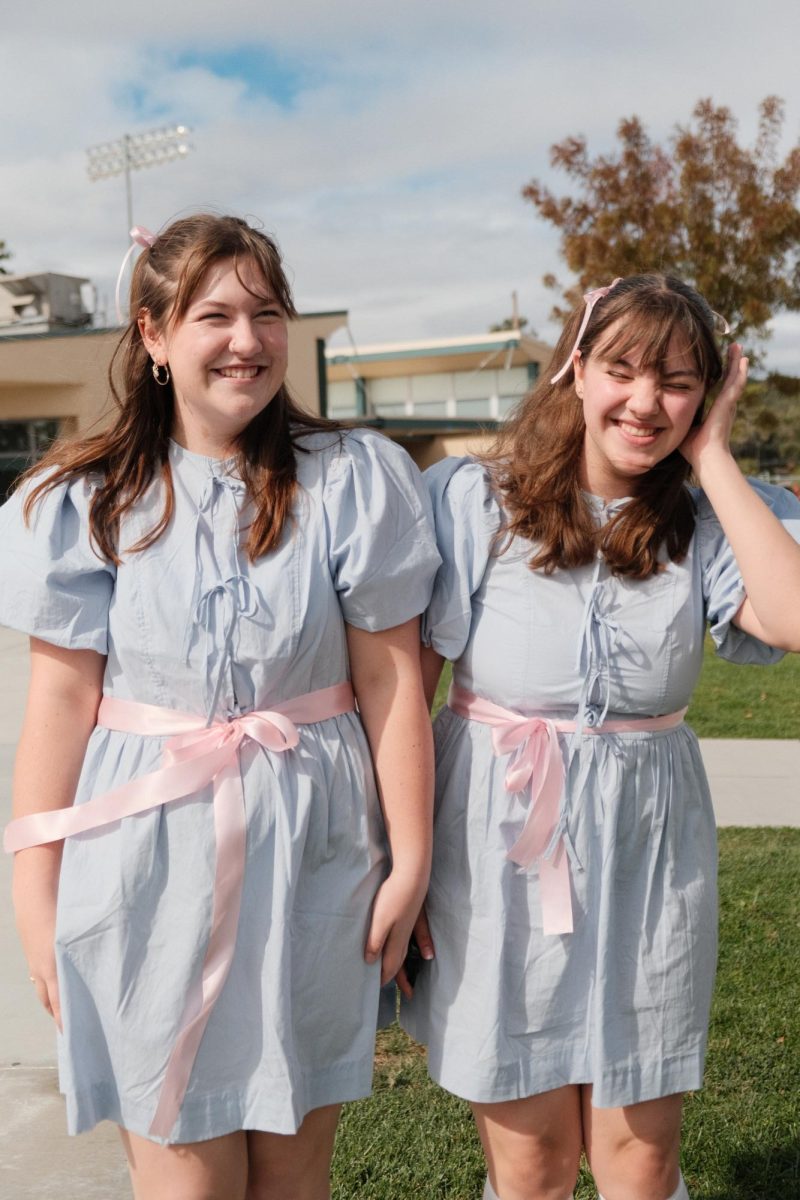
(227, 733)
(227, 356)
(572, 903)
(635, 414)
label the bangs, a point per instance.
(179, 259)
(166, 278)
(202, 260)
(654, 331)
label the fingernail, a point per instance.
(427, 953)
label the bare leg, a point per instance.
(533, 1145)
(633, 1151)
(211, 1170)
(297, 1166)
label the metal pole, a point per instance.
(131, 152)
(128, 190)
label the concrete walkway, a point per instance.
(752, 783)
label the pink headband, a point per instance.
(139, 237)
(591, 298)
(724, 327)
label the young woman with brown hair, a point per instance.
(209, 585)
(572, 902)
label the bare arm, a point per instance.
(386, 678)
(767, 556)
(61, 712)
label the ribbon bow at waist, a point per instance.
(195, 756)
(537, 761)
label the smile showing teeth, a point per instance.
(238, 372)
(639, 431)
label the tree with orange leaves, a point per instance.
(722, 216)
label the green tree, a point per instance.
(718, 214)
(510, 323)
(4, 254)
(766, 434)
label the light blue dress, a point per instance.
(622, 1002)
(191, 624)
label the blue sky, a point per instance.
(265, 72)
(385, 146)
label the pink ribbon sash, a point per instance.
(195, 756)
(536, 761)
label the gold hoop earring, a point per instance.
(161, 380)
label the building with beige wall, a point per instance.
(435, 396)
(57, 382)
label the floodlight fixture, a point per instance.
(135, 151)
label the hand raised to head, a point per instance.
(712, 437)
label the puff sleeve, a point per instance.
(723, 587)
(467, 518)
(382, 550)
(53, 585)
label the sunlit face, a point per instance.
(635, 416)
(227, 356)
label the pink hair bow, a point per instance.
(591, 298)
(140, 236)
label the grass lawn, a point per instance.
(760, 702)
(741, 1133)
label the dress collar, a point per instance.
(203, 464)
(605, 508)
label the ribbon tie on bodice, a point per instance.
(216, 607)
(596, 643)
(232, 598)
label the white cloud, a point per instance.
(392, 179)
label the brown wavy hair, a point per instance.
(128, 455)
(536, 458)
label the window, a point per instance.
(22, 443)
(388, 397)
(513, 384)
(342, 399)
(474, 409)
(431, 389)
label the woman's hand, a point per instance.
(766, 553)
(422, 936)
(394, 913)
(706, 442)
(385, 669)
(34, 892)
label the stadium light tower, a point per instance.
(132, 152)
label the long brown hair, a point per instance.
(536, 457)
(128, 455)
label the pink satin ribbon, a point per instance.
(537, 761)
(590, 300)
(140, 236)
(195, 756)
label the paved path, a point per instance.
(753, 783)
